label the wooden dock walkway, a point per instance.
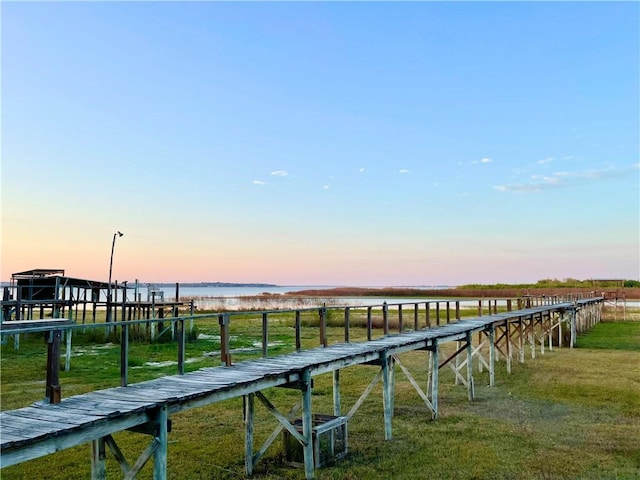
(146, 407)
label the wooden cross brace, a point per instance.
(157, 428)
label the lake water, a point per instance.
(272, 298)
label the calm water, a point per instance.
(239, 298)
(252, 298)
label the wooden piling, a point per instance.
(307, 425)
(249, 401)
(161, 440)
(53, 390)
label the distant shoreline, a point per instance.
(630, 293)
(210, 284)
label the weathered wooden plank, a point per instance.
(63, 418)
(66, 439)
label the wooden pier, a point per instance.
(147, 407)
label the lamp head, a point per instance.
(120, 234)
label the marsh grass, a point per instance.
(568, 414)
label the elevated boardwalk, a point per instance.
(44, 428)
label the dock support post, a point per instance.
(470, 387)
(98, 455)
(249, 403)
(435, 367)
(456, 380)
(573, 328)
(386, 395)
(492, 356)
(336, 393)
(160, 453)
(392, 384)
(507, 327)
(521, 342)
(307, 425)
(532, 336)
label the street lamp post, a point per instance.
(113, 246)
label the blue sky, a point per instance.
(359, 143)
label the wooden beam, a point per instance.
(434, 379)
(307, 426)
(413, 382)
(162, 440)
(364, 395)
(492, 356)
(336, 392)
(386, 396)
(470, 387)
(249, 401)
(98, 456)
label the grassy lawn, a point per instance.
(568, 414)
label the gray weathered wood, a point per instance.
(98, 456)
(307, 426)
(45, 428)
(470, 387)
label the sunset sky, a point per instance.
(322, 143)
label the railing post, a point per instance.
(181, 346)
(298, 345)
(191, 309)
(438, 313)
(346, 324)
(225, 353)
(265, 334)
(385, 318)
(369, 321)
(416, 312)
(124, 354)
(400, 319)
(448, 313)
(428, 314)
(457, 309)
(323, 325)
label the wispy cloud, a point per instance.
(538, 183)
(259, 182)
(361, 170)
(326, 187)
(402, 171)
(482, 160)
(280, 173)
(546, 160)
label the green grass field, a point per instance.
(568, 414)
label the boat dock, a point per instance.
(148, 407)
